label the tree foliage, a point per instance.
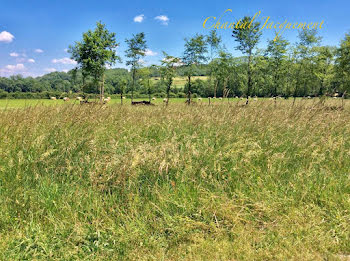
(168, 71)
(194, 54)
(135, 52)
(248, 38)
(94, 53)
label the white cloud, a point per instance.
(31, 61)
(14, 54)
(6, 37)
(50, 70)
(163, 19)
(142, 61)
(150, 53)
(12, 69)
(64, 60)
(38, 51)
(65, 70)
(17, 67)
(180, 63)
(139, 18)
(116, 49)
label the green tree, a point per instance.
(94, 53)
(168, 72)
(276, 53)
(194, 55)
(222, 69)
(135, 52)
(248, 37)
(213, 41)
(324, 67)
(304, 54)
(262, 77)
(122, 85)
(343, 65)
(145, 81)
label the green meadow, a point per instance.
(267, 181)
(180, 82)
(22, 103)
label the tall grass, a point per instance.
(222, 182)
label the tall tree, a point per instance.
(304, 54)
(168, 72)
(262, 77)
(135, 52)
(324, 67)
(248, 37)
(94, 53)
(276, 53)
(145, 80)
(213, 41)
(194, 55)
(222, 69)
(343, 65)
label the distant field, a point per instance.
(22, 103)
(18, 103)
(221, 182)
(181, 81)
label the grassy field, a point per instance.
(220, 182)
(181, 81)
(20, 103)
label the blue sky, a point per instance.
(35, 34)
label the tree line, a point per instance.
(304, 68)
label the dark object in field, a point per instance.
(188, 102)
(142, 103)
(88, 102)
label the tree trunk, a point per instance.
(276, 82)
(189, 89)
(133, 85)
(149, 91)
(296, 85)
(226, 90)
(167, 95)
(83, 87)
(215, 88)
(100, 85)
(343, 98)
(295, 95)
(321, 88)
(249, 78)
(103, 87)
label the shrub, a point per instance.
(181, 95)
(3, 94)
(160, 95)
(172, 95)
